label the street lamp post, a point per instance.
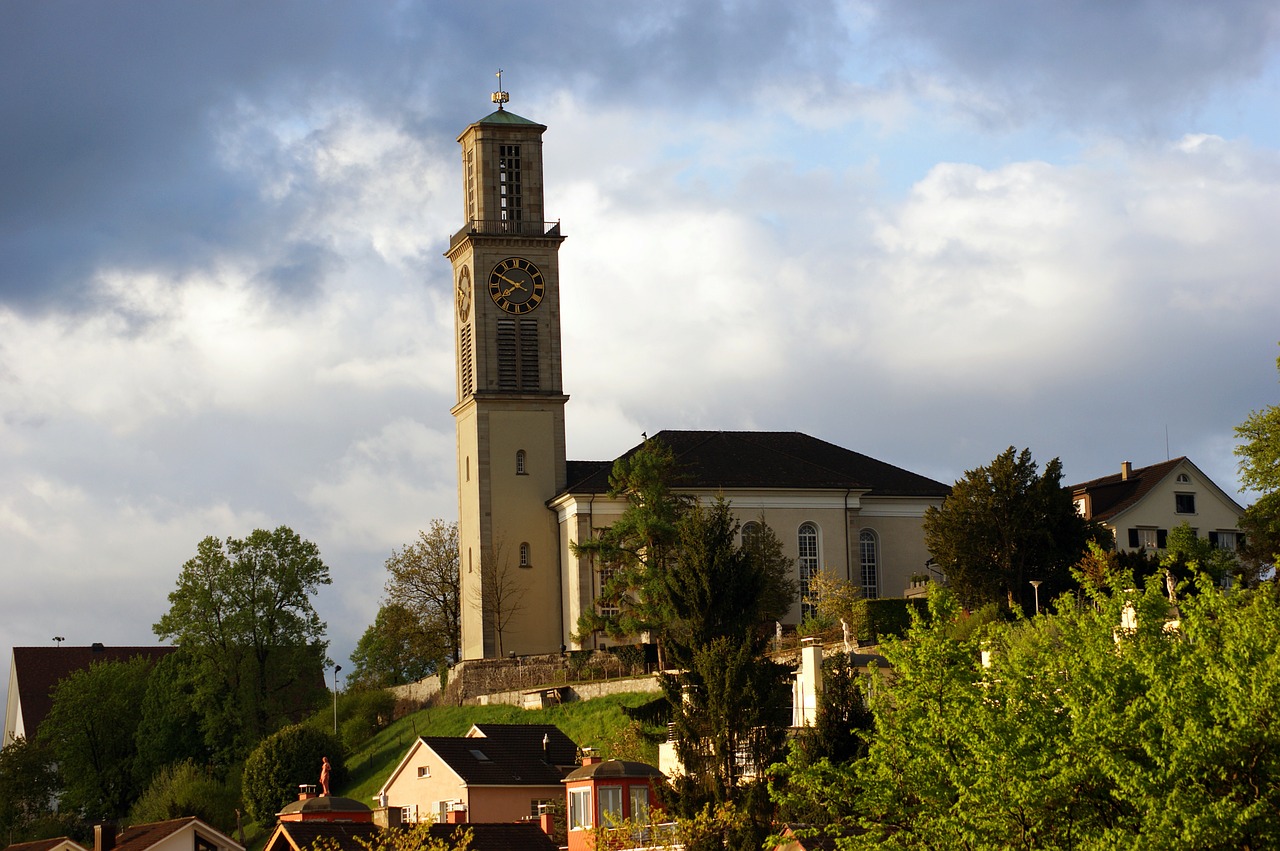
(1035, 583)
(336, 669)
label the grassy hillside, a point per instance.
(594, 723)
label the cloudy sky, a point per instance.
(922, 230)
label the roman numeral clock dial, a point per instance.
(516, 285)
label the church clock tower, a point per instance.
(510, 409)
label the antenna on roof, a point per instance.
(500, 97)
(59, 639)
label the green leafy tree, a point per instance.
(282, 762)
(1098, 726)
(1187, 555)
(243, 612)
(1003, 525)
(187, 789)
(90, 732)
(395, 650)
(423, 580)
(28, 783)
(1259, 453)
(169, 729)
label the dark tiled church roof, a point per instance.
(1111, 495)
(39, 669)
(766, 459)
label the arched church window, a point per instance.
(525, 557)
(520, 463)
(807, 545)
(869, 556)
(750, 533)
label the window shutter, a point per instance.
(1133, 538)
(1162, 538)
(1213, 539)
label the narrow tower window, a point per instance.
(520, 463)
(525, 556)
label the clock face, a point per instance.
(516, 285)
(463, 295)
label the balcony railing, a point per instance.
(502, 227)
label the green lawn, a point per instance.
(590, 723)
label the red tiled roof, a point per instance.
(43, 844)
(39, 669)
(1111, 495)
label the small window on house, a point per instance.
(610, 805)
(424, 771)
(639, 804)
(520, 463)
(1184, 479)
(1185, 503)
(580, 809)
(525, 556)
(538, 806)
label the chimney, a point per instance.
(306, 791)
(457, 815)
(547, 822)
(384, 816)
(1126, 470)
(104, 836)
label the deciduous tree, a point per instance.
(283, 761)
(423, 579)
(1259, 453)
(243, 611)
(395, 650)
(28, 782)
(90, 732)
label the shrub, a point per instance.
(283, 761)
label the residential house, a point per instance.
(495, 773)
(1139, 506)
(35, 671)
(611, 792)
(60, 843)
(352, 826)
(181, 834)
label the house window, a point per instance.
(1148, 538)
(608, 604)
(1184, 503)
(538, 806)
(424, 771)
(1226, 540)
(610, 805)
(869, 556)
(525, 556)
(580, 809)
(639, 804)
(521, 470)
(1184, 479)
(807, 541)
(409, 814)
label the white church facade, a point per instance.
(522, 504)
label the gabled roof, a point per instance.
(560, 749)
(490, 836)
(38, 669)
(301, 835)
(1112, 495)
(59, 843)
(485, 762)
(499, 755)
(140, 837)
(721, 460)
